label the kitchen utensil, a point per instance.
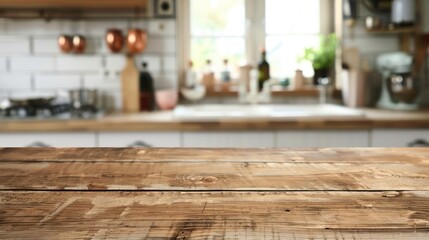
(83, 102)
(353, 79)
(115, 40)
(195, 93)
(32, 101)
(136, 40)
(65, 43)
(79, 44)
(403, 12)
(130, 86)
(83, 98)
(166, 99)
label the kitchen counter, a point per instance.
(124, 193)
(165, 121)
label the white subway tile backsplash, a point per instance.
(79, 63)
(100, 27)
(32, 64)
(112, 99)
(14, 44)
(99, 81)
(15, 81)
(31, 61)
(42, 45)
(161, 45)
(115, 63)
(3, 64)
(33, 27)
(162, 27)
(57, 81)
(166, 81)
(169, 64)
(153, 62)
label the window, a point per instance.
(217, 31)
(237, 29)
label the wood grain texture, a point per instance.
(164, 121)
(212, 215)
(219, 155)
(151, 193)
(183, 176)
(94, 4)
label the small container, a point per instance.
(166, 99)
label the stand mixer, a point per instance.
(399, 88)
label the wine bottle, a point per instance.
(263, 70)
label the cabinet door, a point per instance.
(399, 137)
(228, 139)
(47, 140)
(139, 139)
(322, 138)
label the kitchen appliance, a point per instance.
(403, 12)
(32, 107)
(399, 87)
(73, 105)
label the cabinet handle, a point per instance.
(139, 144)
(418, 143)
(38, 144)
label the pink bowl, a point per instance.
(166, 99)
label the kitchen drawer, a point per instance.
(228, 139)
(322, 138)
(139, 139)
(47, 139)
(398, 137)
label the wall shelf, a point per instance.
(397, 30)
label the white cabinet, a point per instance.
(139, 139)
(229, 139)
(322, 138)
(47, 139)
(398, 137)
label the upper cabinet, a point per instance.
(74, 4)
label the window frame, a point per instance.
(255, 33)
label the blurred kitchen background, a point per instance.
(214, 73)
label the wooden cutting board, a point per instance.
(130, 86)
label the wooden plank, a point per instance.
(230, 176)
(238, 215)
(277, 155)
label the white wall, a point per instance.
(30, 60)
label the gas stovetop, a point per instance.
(46, 112)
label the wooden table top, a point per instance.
(119, 193)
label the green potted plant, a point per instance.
(321, 57)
